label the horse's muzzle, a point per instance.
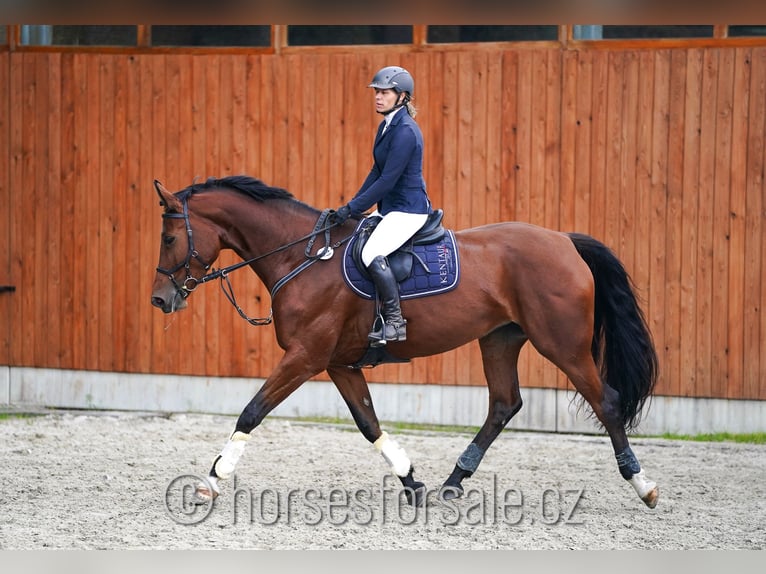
(170, 302)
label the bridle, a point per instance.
(190, 283)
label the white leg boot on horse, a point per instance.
(402, 467)
(353, 388)
(224, 465)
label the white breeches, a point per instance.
(391, 233)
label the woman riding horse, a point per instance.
(395, 183)
(566, 294)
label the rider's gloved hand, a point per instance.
(341, 214)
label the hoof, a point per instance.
(450, 492)
(651, 498)
(416, 494)
(205, 492)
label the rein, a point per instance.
(191, 283)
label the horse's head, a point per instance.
(185, 254)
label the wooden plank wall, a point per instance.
(6, 300)
(659, 153)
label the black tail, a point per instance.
(622, 344)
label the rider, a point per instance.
(396, 185)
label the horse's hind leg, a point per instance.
(353, 388)
(572, 354)
(624, 378)
(604, 401)
(500, 353)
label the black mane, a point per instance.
(250, 186)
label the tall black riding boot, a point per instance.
(394, 325)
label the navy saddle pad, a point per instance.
(435, 269)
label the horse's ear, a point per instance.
(167, 200)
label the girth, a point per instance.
(402, 259)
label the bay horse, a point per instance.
(565, 293)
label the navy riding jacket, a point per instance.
(395, 182)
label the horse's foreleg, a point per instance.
(289, 374)
(499, 352)
(353, 388)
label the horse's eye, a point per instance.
(168, 240)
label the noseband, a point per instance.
(191, 282)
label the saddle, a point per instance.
(438, 270)
(401, 260)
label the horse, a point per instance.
(566, 293)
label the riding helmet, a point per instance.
(393, 77)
